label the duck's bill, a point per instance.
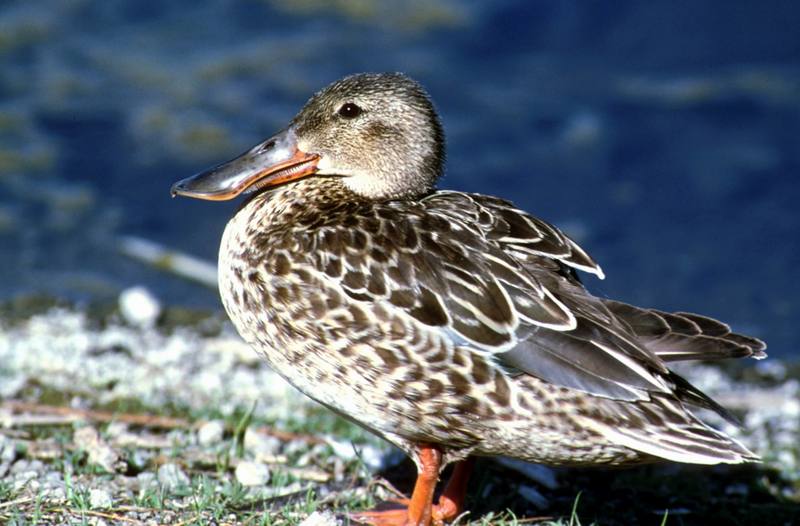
(275, 161)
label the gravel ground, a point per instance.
(146, 415)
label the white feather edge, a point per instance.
(644, 443)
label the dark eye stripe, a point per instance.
(350, 110)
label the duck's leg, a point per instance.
(419, 510)
(451, 501)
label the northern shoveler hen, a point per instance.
(451, 324)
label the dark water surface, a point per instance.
(663, 135)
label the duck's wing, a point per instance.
(579, 343)
(617, 327)
(500, 282)
(514, 230)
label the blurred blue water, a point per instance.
(664, 135)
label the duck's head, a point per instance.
(379, 133)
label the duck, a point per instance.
(453, 325)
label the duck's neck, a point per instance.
(297, 204)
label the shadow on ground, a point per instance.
(692, 495)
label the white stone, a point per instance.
(11, 385)
(772, 369)
(321, 519)
(7, 449)
(98, 451)
(99, 499)
(171, 476)
(139, 307)
(55, 495)
(210, 433)
(146, 479)
(791, 409)
(371, 456)
(116, 429)
(252, 473)
(260, 444)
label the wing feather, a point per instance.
(502, 282)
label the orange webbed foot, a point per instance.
(420, 510)
(395, 513)
(391, 513)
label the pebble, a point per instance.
(116, 429)
(26, 480)
(7, 449)
(791, 409)
(171, 476)
(11, 385)
(146, 480)
(342, 448)
(139, 307)
(99, 452)
(252, 473)
(100, 499)
(55, 494)
(772, 369)
(210, 433)
(321, 519)
(373, 457)
(28, 467)
(295, 447)
(261, 445)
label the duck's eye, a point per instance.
(350, 110)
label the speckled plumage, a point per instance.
(450, 319)
(361, 306)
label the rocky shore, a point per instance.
(140, 414)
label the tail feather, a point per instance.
(689, 394)
(690, 445)
(663, 428)
(685, 336)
